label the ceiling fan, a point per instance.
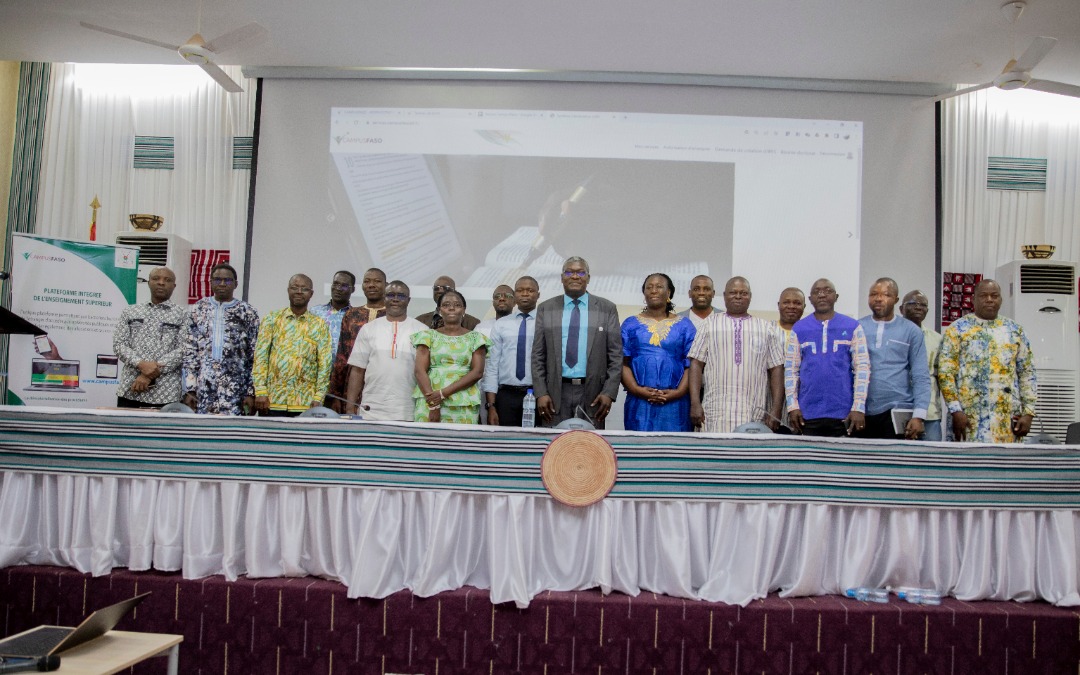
(1017, 72)
(197, 50)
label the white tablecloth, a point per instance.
(378, 541)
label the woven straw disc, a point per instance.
(579, 468)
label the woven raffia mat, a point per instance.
(579, 468)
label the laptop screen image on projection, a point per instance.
(487, 195)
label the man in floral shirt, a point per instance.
(220, 349)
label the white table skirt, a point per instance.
(378, 541)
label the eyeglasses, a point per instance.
(299, 289)
(221, 282)
(575, 274)
(912, 303)
(442, 288)
(342, 287)
(397, 296)
(822, 291)
(502, 296)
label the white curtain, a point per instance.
(985, 228)
(89, 150)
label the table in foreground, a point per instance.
(119, 650)
(385, 506)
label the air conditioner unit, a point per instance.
(160, 250)
(1041, 296)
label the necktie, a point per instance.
(521, 347)
(572, 335)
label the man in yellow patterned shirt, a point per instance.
(292, 356)
(987, 373)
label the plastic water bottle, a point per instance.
(920, 596)
(528, 410)
(867, 594)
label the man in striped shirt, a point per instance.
(742, 363)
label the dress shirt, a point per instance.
(933, 345)
(218, 354)
(583, 334)
(333, 318)
(986, 370)
(899, 375)
(292, 360)
(826, 368)
(149, 332)
(501, 365)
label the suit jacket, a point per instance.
(603, 360)
(468, 322)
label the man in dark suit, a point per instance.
(577, 353)
(432, 319)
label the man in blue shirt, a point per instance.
(826, 369)
(341, 290)
(899, 373)
(508, 369)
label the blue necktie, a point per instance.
(572, 335)
(521, 347)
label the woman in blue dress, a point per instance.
(655, 365)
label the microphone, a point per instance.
(4, 275)
(39, 664)
(360, 406)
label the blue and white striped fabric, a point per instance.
(408, 456)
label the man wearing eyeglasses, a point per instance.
(374, 288)
(502, 301)
(292, 356)
(220, 350)
(432, 319)
(915, 308)
(381, 375)
(577, 351)
(341, 290)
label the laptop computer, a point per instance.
(47, 375)
(47, 640)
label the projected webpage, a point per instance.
(485, 196)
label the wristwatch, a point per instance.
(488, 405)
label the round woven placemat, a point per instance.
(579, 468)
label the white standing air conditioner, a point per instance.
(1040, 295)
(160, 250)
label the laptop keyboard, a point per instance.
(38, 642)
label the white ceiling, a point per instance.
(941, 41)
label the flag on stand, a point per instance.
(95, 205)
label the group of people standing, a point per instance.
(824, 374)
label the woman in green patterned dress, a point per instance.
(449, 365)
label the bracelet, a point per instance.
(434, 407)
(442, 396)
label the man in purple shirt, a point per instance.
(826, 369)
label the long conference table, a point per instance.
(382, 507)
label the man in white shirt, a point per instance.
(508, 371)
(381, 378)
